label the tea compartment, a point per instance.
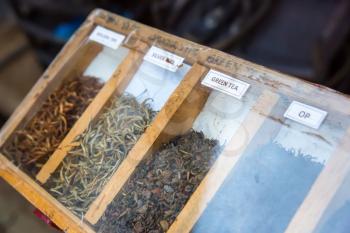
(274, 175)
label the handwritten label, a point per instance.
(305, 114)
(163, 59)
(107, 37)
(225, 84)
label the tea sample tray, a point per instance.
(131, 129)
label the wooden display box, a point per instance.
(175, 118)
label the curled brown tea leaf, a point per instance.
(160, 186)
(98, 153)
(30, 147)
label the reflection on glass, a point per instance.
(106, 62)
(155, 83)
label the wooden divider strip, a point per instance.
(248, 71)
(322, 192)
(38, 197)
(117, 83)
(224, 164)
(30, 101)
(145, 142)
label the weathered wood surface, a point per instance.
(247, 71)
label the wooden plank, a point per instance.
(143, 145)
(44, 85)
(247, 71)
(224, 164)
(38, 197)
(115, 85)
(322, 192)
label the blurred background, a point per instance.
(309, 39)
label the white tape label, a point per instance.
(305, 114)
(164, 59)
(107, 37)
(225, 84)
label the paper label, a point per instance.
(164, 59)
(305, 114)
(107, 37)
(225, 84)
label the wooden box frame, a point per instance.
(139, 39)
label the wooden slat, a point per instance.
(248, 71)
(224, 164)
(41, 88)
(38, 197)
(145, 142)
(115, 85)
(325, 188)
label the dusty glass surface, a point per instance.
(106, 62)
(155, 83)
(273, 176)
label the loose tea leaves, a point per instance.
(98, 153)
(160, 186)
(31, 146)
(263, 191)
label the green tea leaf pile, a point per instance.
(98, 152)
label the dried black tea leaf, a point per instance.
(160, 186)
(98, 152)
(31, 147)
